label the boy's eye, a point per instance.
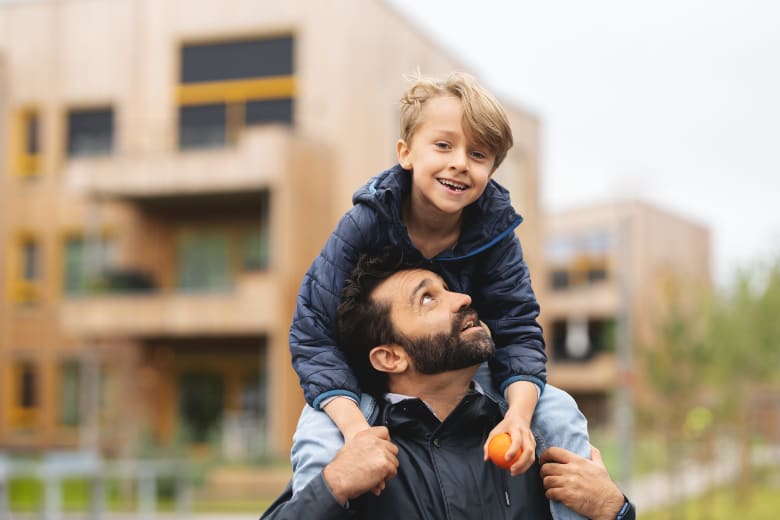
(442, 145)
(479, 155)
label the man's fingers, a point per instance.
(380, 431)
(555, 454)
(553, 481)
(595, 456)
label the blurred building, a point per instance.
(611, 266)
(169, 171)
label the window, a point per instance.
(578, 339)
(85, 261)
(271, 111)
(28, 393)
(210, 259)
(560, 278)
(70, 393)
(24, 394)
(237, 60)
(25, 143)
(202, 126)
(256, 252)
(203, 261)
(30, 260)
(579, 260)
(90, 132)
(201, 404)
(227, 86)
(26, 286)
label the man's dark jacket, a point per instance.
(441, 474)
(486, 263)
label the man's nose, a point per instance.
(459, 301)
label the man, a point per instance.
(416, 347)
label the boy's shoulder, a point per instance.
(392, 183)
(495, 204)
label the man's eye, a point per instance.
(427, 298)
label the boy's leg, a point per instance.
(557, 421)
(316, 441)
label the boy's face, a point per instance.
(450, 171)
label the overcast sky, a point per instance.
(676, 102)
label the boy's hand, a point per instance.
(522, 397)
(522, 441)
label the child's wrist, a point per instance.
(353, 429)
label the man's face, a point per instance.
(441, 332)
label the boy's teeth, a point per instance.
(452, 185)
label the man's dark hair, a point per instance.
(363, 324)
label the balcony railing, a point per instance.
(600, 299)
(258, 158)
(246, 309)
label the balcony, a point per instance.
(248, 309)
(601, 299)
(253, 163)
(598, 374)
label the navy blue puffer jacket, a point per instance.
(486, 263)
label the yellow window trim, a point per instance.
(23, 164)
(234, 91)
(24, 291)
(19, 417)
(20, 290)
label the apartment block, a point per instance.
(169, 171)
(611, 271)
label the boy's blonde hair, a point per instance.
(483, 117)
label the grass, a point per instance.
(649, 453)
(26, 495)
(723, 504)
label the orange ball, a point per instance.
(497, 448)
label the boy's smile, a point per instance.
(450, 170)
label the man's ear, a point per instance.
(403, 152)
(389, 358)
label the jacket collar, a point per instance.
(485, 222)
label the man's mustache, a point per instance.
(464, 318)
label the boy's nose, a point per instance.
(459, 159)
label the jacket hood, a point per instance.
(485, 222)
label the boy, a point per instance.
(440, 204)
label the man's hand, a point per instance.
(580, 484)
(365, 463)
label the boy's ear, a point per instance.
(389, 358)
(403, 152)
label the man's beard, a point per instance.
(437, 353)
